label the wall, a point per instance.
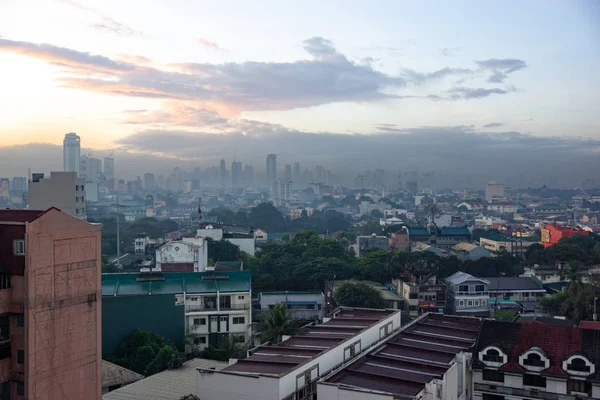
(63, 309)
(333, 392)
(222, 386)
(245, 245)
(57, 191)
(155, 313)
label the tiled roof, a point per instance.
(506, 284)
(402, 365)
(169, 384)
(558, 344)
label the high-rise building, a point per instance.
(148, 181)
(319, 172)
(249, 175)
(271, 168)
(222, 172)
(236, 174)
(109, 168)
(160, 182)
(71, 153)
(287, 175)
(280, 191)
(296, 170)
(18, 184)
(493, 191)
(51, 321)
(412, 186)
(90, 168)
(63, 190)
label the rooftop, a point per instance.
(501, 237)
(460, 277)
(411, 358)
(113, 374)
(137, 284)
(280, 359)
(386, 293)
(557, 342)
(507, 284)
(21, 216)
(464, 246)
(166, 385)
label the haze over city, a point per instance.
(444, 88)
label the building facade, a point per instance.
(512, 244)
(63, 190)
(364, 244)
(271, 168)
(71, 153)
(399, 240)
(50, 309)
(551, 233)
(183, 255)
(304, 306)
(535, 361)
(494, 190)
(468, 295)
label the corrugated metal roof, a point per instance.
(460, 277)
(166, 385)
(113, 374)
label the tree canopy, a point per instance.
(275, 323)
(358, 295)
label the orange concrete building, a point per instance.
(50, 309)
(551, 234)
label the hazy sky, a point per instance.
(121, 73)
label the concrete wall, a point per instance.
(221, 386)
(333, 392)
(245, 245)
(190, 250)
(62, 309)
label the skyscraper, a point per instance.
(296, 176)
(271, 168)
(90, 168)
(249, 175)
(288, 172)
(109, 172)
(236, 173)
(222, 172)
(71, 153)
(148, 181)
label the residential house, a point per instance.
(469, 251)
(522, 293)
(513, 244)
(364, 244)
(503, 207)
(291, 369)
(418, 247)
(183, 255)
(261, 236)
(399, 240)
(467, 295)
(444, 237)
(114, 377)
(535, 361)
(304, 306)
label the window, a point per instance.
(479, 288)
(534, 380)
(199, 321)
(578, 365)
(470, 303)
(4, 281)
(224, 319)
(534, 360)
(77, 211)
(461, 303)
(4, 328)
(20, 320)
(579, 386)
(5, 390)
(413, 308)
(239, 320)
(20, 356)
(82, 187)
(463, 288)
(493, 355)
(20, 389)
(240, 297)
(19, 247)
(199, 340)
(210, 302)
(225, 301)
(413, 296)
(493, 375)
(526, 294)
(476, 302)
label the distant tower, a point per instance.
(71, 153)
(288, 172)
(271, 168)
(222, 172)
(236, 174)
(200, 222)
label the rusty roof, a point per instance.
(411, 358)
(316, 339)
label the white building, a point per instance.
(427, 359)
(291, 369)
(535, 361)
(366, 207)
(503, 207)
(280, 191)
(468, 295)
(62, 190)
(305, 306)
(493, 191)
(261, 236)
(71, 153)
(183, 255)
(246, 243)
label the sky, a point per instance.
(165, 78)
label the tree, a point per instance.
(376, 214)
(234, 346)
(223, 250)
(505, 315)
(275, 323)
(108, 267)
(358, 295)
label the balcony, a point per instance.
(521, 393)
(212, 308)
(485, 293)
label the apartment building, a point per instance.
(63, 190)
(468, 295)
(535, 361)
(209, 305)
(427, 359)
(50, 309)
(290, 370)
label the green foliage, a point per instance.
(582, 248)
(552, 304)
(358, 295)
(146, 353)
(233, 347)
(223, 250)
(146, 226)
(275, 323)
(505, 315)
(376, 214)
(108, 267)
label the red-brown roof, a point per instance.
(19, 215)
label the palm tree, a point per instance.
(275, 323)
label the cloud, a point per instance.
(174, 115)
(501, 68)
(207, 43)
(476, 93)
(325, 76)
(449, 52)
(106, 22)
(493, 125)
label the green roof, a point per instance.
(126, 284)
(501, 237)
(452, 231)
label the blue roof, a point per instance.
(417, 231)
